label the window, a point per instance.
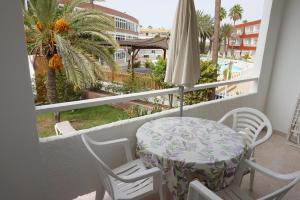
(120, 54)
(120, 37)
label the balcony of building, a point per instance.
(59, 167)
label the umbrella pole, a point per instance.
(181, 91)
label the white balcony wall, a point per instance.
(285, 84)
(20, 172)
(68, 166)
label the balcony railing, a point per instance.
(129, 97)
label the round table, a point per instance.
(187, 148)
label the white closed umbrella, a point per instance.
(183, 68)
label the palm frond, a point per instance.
(81, 69)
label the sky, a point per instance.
(160, 13)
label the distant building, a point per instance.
(244, 38)
(127, 27)
(147, 33)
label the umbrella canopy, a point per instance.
(183, 67)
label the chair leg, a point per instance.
(100, 193)
(252, 174)
(161, 194)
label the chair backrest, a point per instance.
(250, 122)
(103, 169)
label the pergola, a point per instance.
(135, 45)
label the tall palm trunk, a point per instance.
(51, 90)
(225, 46)
(216, 41)
(51, 86)
(232, 51)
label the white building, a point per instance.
(147, 33)
(127, 27)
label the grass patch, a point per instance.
(80, 119)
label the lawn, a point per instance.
(80, 119)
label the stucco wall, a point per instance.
(285, 83)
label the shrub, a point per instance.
(96, 87)
(137, 64)
(136, 111)
(66, 91)
(207, 75)
(148, 64)
(158, 72)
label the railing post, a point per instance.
(181, 93)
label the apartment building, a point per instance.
(127, 27)
(244, 38)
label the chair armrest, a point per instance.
(196, 188)
(123, 141)
(221, 121)
(268, 172)
(154, 172)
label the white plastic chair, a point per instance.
(234, 192)
(64, 127)
(129, 181)
(250, 123)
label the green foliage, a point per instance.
(158, 72)
(137, 111)
(236, 12)
(246, 56)
(148, 64)
(137, 64)
(132, 86)
(81, 118)
(207, 75)
(75, 35)
(223, 13)
(205, 24)
(226, 73)
(96, 87)
(226, 30)
(66, 91)
(41, 91)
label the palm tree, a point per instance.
(223, 13)
(205, 26)
(216, 42)
(226, 32)
(69, 40)
(235, 14)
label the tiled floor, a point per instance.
(275, 155)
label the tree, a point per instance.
(205, 26)
(216, 40)
(226, 32)
(235, 14)
(158, 73)
(207, 76)
(68, 39)
(223, 13)
(216, 43)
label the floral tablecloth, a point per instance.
(190, 148)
